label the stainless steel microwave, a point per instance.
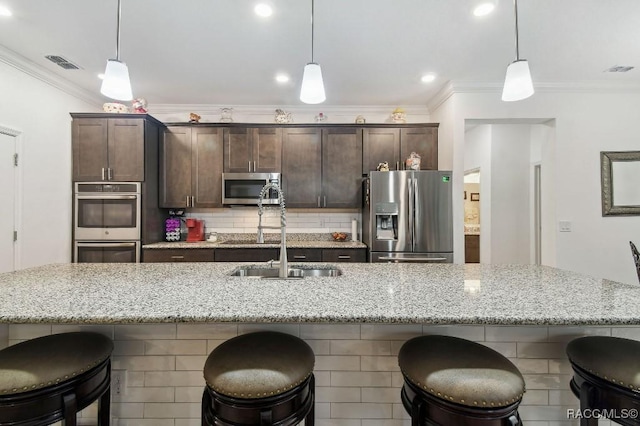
(245, 188)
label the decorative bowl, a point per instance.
(339, 236)
(115, 107)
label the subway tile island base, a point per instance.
(166, 318)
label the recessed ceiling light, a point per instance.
(101, 76)
(263, 9)
(428, 78)
(282, 78)
(484, 8)
(4, 11)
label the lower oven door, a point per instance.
(107, 252)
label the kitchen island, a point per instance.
(165, 318)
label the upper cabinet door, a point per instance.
(302, 166)
(89, 145)
(266, 149)
(175, 167)
(341, 167)
(380, 145)
(206, 163)
(237, 150)
(126, 150)
(422, 141)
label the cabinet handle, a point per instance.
(103, 176)
(319, 201)
(325, 201)
(109, 174)
(193, 201)
(254, 166)
(397, 165)
(187, 201)
(344, 256)
(177, 257)
(301, 256)
(249, 165)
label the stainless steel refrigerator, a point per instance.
(407, 216)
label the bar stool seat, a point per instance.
(455, 381)
(259, 378)
(51, 378)
(606, 375)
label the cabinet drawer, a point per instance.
(246, 255)
(177, 255)
(304, 255)
(344, 255)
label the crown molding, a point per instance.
(38, 72)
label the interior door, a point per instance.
(7, 195)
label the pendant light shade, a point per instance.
(116, 83)
(312, 91)
(517, 83)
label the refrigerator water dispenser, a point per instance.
(386, 221)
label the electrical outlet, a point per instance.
(118, 381)
(565, 226)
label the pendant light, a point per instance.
(517, 83)
(312, 90)
(116, 84)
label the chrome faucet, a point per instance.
(283, 271)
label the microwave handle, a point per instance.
(106, 197)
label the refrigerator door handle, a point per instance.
(412, 206)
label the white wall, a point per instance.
(41, 113)
(585, 124)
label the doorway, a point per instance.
(472, 216)
(9, 160)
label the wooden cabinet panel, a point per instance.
(191, 167)
(344, 255)
(341, 167)
(422, 141)
(302, 166)
(175, 167)
(304, 255)
(249, 149)
(89, 142)
(126, 150)
(206, 172)
(246, 255)
(379, 145)
(472, 248)
(177, 255)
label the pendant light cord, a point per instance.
(312, 10)
(118, 32)
(515, 7)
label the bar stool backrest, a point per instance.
(636, 258)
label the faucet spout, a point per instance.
(283, 270)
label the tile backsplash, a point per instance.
(245, 220)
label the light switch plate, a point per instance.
(565, 226)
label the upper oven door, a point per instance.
(244, 188)
(107, 216)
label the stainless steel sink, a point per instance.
(300, 271)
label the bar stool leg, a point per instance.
(104, 408)
(417, 411)
(70, 409)
(587, 395)
(310, 419)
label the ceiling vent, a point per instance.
(619, 68)
(62, 62)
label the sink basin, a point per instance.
(296, 271)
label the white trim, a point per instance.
(38, 72)
(17, 195)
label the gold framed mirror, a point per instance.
(620, 182)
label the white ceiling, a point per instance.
(372, 52)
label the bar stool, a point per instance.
(52, 378)
(606, 376)
(452, 381)
(262, 378)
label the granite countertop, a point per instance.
(231, 241)
(365, 293)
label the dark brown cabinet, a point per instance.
(394, 145)
(108, 149)
(247, 255)
(344, 255)
(191, 167)
(257, 149)
(304, 255)
(322, 167)
(177, 255)
(472, 248)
